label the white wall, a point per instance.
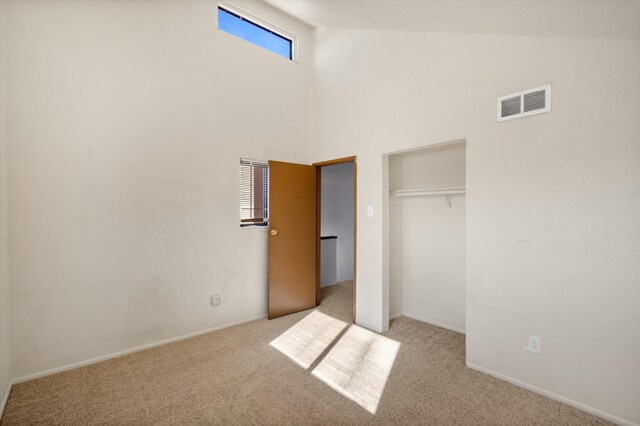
(427, 238)
(124, 138)
(5, 330)
(328, 261)
(127, 122)
(553, 200)
(337, 214)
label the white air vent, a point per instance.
(523, 104)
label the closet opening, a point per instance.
(426, 235)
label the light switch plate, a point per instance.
(370, 211)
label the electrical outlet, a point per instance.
(370, 211)
(216, 300)
(534, 344)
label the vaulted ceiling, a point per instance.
(540, 18)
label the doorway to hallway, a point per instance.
(336, 233)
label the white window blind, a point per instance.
(254, 192)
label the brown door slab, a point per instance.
(292, 238)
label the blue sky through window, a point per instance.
(234, 25)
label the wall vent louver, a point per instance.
(523, 104)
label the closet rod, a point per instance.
(428, 191)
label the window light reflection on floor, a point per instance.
(307, 339)
(357, 366)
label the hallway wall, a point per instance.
(337, 214)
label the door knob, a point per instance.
(274, 231)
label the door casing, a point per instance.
(318, 167)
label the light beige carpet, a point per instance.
(235, 376)
(358, 366)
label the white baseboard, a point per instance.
(95, 360)
(436, 323)
(6, 398)
(555, 397)
(392, 317)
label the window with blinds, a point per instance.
(254, 193)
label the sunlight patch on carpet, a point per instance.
(308, 338)
(358, 366)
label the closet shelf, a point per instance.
(428, 191)
(433, 192)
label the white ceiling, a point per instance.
(543, 18)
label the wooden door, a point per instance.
(292, 238)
